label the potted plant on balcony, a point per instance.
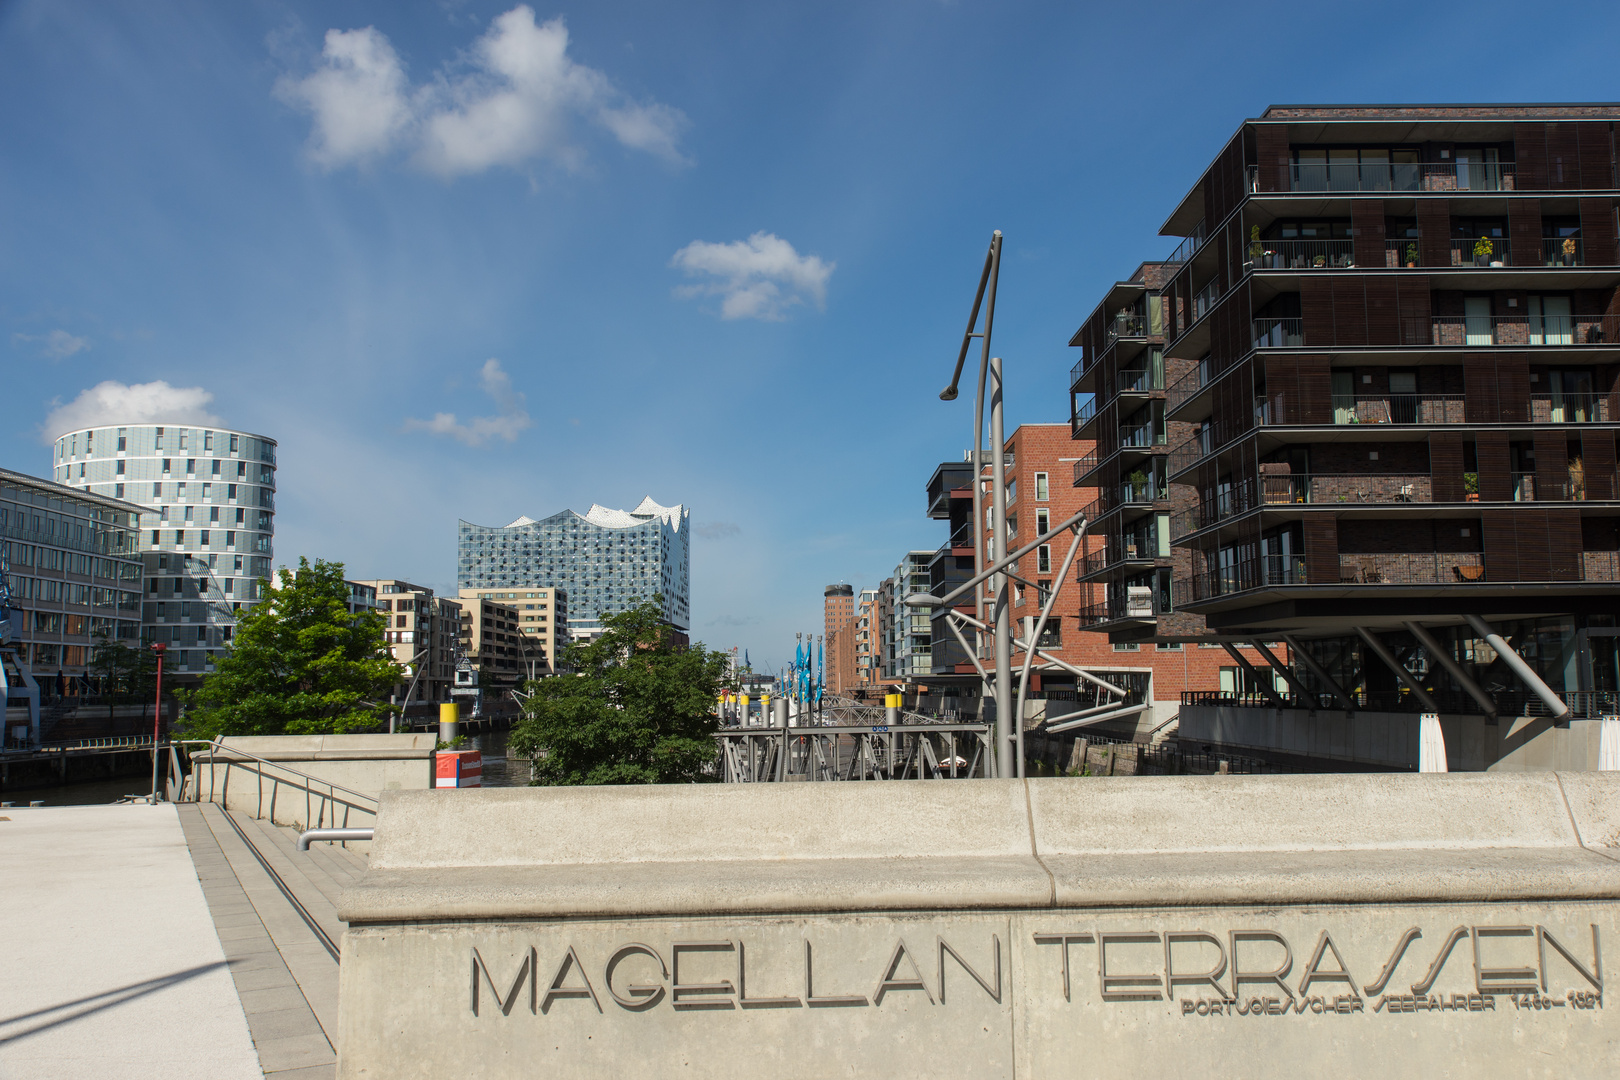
(1484, 249)
(1138, 481)
(1577, 479)
(1259, 257)
(1411, 256)
(1471, 486)
(1569, 251)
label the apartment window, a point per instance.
(241, 470)
(191, 466)
(155, 539)
(1129, 646)
(215, 470)
(158, 443)
(235, 443)
(165, 466)
(157, 490)
(1043, 521)
(1168, 646)
(119, 469)
(1043, 559)
(213, 513)
(1043, 590)
(204, 540)
(118, 489)
(123, 439)
(1041, 494)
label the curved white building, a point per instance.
(208, 499)
(604, 560)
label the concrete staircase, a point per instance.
(275, 909)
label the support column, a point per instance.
(1321, 673)
(1443, 656)
(1524, 671)
(1265, 687)
(1383, 653)
(1009, 764)
(1284, 670)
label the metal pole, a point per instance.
(1321, 673)
(1007, 765)
(1382, 652)
(157, 716)
(1523, 670)
(1443, 657)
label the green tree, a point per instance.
(639, 708)
(299, 664)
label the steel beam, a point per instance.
(1321, 673)
(1524, 671)
(1269, 691)
(1382, 652)
(1282, 669)
(1442, 655)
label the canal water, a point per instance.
(499, 771)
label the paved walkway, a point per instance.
(169, 942)
(112, 964)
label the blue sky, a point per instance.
(721, 254)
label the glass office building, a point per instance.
(605, 560)
(207, 523)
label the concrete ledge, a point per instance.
(993, 845)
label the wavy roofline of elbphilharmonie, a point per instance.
(604, 560)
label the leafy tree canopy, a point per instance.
(639, 710)
(299, 664)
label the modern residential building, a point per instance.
(605, 560)
(540, 620)
(1394, 336)
(837, 613)
(424, 634)
(866, 639)
(908, 631)
(492, 641)
(208, 505)
(362, 597)
(1157, 674)
(69, 573)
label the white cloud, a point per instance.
(757, 278)
(511, 416)
(113, 402)
(356, 95)
(511, 99)
(59, 344)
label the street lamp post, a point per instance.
(157, 716)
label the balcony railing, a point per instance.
(1265, 571)
(1189, 453)
(1205, 298)
(1083, 415)
(1189, 384)
(1143, 435)
(1135, 381)
(1562, 251)
(1481, 251)
(1126, 326)
(1301, 254)
(1391, 409)
(1278, 333)
(1412, 568)
(1402, 251)
(1478, 330)
(1578, 408)
(1188, 246)
(1084, 465)
(1392, 176)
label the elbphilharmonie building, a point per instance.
(605, 560)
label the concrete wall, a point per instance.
(1281, 926)
(1391, 739)
(364, 764)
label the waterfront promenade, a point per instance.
(167, 942)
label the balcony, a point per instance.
(1083, 415)
(1302, 255)
(1493, 251)
(1188, 385)
(1142, 436)
(1395, 409)
(1578, 408)
(1300, 489)
(1084, 465)
(1471, 331)
(1125, 325)
(1135, 381)
(1278, 333)
(1562, 251)
(1456, 176)
(1188, 246)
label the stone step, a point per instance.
(314, 887)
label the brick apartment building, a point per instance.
(1040, 462)
(1374, 397)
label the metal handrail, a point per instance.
(335, 836)
(217, 745)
